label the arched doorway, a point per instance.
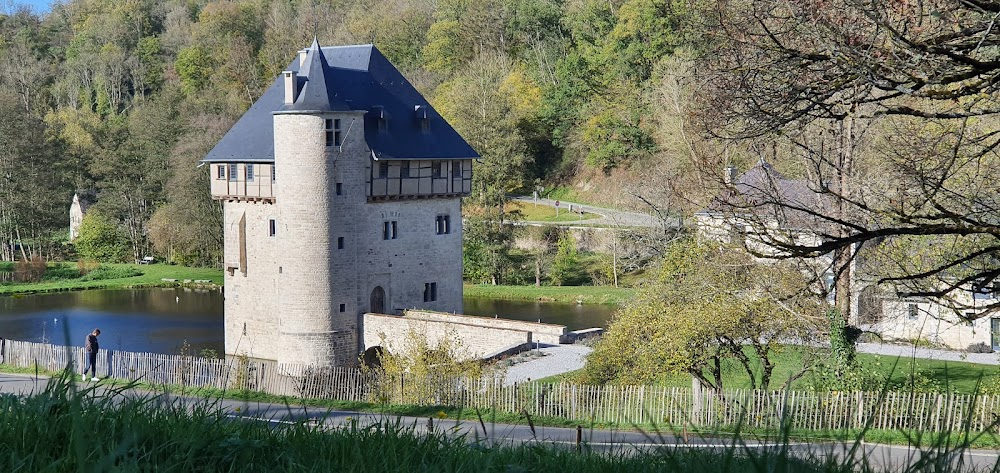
(372, 357)
(376, 304)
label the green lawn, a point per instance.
(566, 294)
(903, 374)
(149, 275)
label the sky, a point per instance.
(38, 6)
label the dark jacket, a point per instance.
(92, 346)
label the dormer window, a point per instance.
(332, 127)
(420, 113)
(378, 112)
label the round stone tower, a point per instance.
(306, 148)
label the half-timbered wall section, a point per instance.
(407, 179)
(242, 181)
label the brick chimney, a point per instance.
(291, 86)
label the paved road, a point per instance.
(881, 457)
(909, 351)
(609, 217)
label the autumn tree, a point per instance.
(708, 309)
(889, 110)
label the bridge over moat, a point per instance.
(478, 337)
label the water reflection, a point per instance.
(573, 316)
(160, 320)
(153, 320)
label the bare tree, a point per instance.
(889, 109)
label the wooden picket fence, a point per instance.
(666, 407)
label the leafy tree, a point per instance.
(102, 239)
(194, 67)
(35, 189)
(565, 269)
(708, 309)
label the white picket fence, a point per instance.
(666, 407)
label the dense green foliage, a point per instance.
(709, 309)
(120, 101)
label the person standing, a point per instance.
(91, 348)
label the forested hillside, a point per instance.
(121, 98)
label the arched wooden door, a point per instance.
(376, 304)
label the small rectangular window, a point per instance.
(272, 173)
(343, 307)
(340, 189)
(430, 292)
(249, 172)
(332, 128)
(272, 227)
(436, 171)
(232, 172)
(221, 172)
(442, 224)
(340, 243)
(404, 169)
(383, 170)
(456, 169)
(911, 311)
(393, 229)
(389, 230)
(970, 318)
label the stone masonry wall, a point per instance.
(391, 333)
(551, 334)
(251, 320)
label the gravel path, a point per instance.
(907, 351)
(560, 359)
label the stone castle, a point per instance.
(341, 188)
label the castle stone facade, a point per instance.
(342, 195)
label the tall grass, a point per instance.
(98, 428)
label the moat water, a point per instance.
(162, 320)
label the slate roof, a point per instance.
(762, 188)
(345, 78)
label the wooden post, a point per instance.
(696, 401)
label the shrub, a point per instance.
(30, 270)
(61, 271)
(980, 347)
(101, 239)
(6, 266)
(85, 266)
(110, 272)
